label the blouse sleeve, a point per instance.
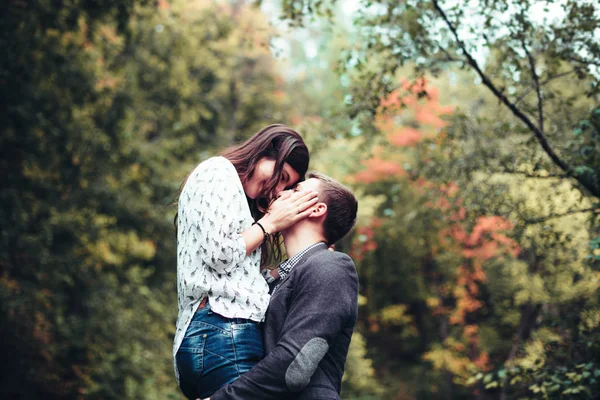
(213, 203)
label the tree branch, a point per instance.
(553, 216)
(526, 324)
(583, 61)
(534, 176)
(515, 110)
(549, 79)
(536, 85)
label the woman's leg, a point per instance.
(216, 351)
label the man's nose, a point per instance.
(284, 193)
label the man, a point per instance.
(313, 307)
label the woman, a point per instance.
(222, 294)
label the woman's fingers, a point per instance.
(284, 194)
(306, 204)
(302, 197)
(305, 209)
(303, 215)
(290, 208)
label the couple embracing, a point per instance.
(247, 333)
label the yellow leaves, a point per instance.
(587, 286)
(116, 248)
(590, 319)
(106, 254)
(109, 34)
(107, 82)
(359, 370)
(531, 289)
(534, 352)
(444, 358)
(433, 302)
(33, 170)
(535, 357)
(10, 285)
(396, 314)
(362, 300)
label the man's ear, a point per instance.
(318, 210)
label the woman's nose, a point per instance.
(280, 187)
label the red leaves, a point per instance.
(378, 169)
(411, 113)
(405, 137)
(364, 241)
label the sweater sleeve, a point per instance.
(323, 302)
(210, 203)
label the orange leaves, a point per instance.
(365, 239)
(484, 252)
(482, 361)
(487, 224)
(108, 82)
(428, 117)
(378, 169)
(487, 241)
(483, 243)
(411, 113)
(406, 117)
(405, 137)
(279, 95)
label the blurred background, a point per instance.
(470, 131)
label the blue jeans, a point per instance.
(216, 351)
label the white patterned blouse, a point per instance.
(213, 211)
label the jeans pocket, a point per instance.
(248, 343)
(190, 358)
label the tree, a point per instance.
(443, 254)
(107, 109)
(515, 48)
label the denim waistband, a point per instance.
(206, 313)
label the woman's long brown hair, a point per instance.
(276, 142)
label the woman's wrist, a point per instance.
(268, 225)
(266, 235)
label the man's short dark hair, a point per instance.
(341, 207)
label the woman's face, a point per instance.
(263, 172)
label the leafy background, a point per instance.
(469, 130)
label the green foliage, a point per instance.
(522, 144)
(107, 108)
(359, 381)
(516, 50)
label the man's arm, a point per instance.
(323, 300)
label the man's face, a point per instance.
(309, 184)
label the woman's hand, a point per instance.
(288, 209)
